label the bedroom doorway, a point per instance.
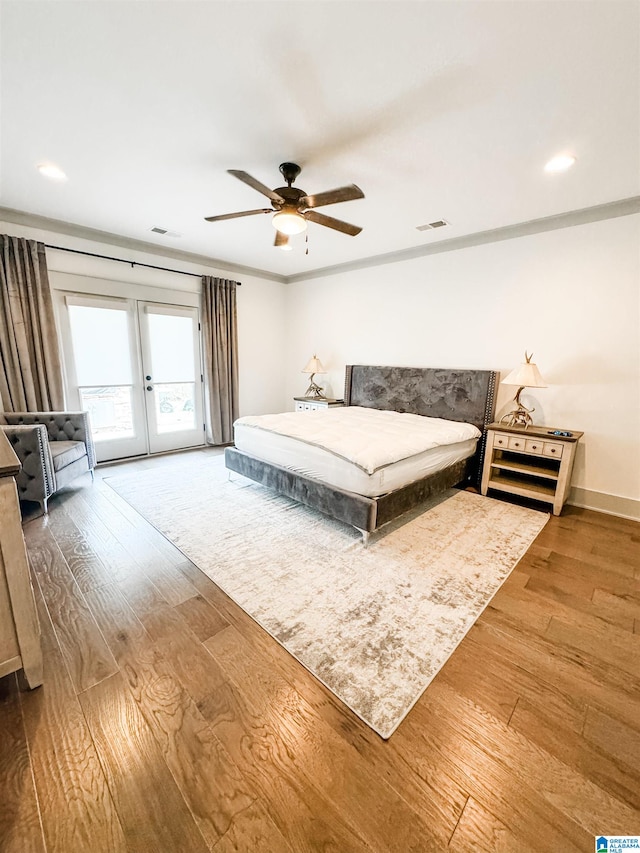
(135, 367)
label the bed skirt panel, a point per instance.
(357, 510)
(396, 503)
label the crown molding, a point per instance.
(30, 220)
(611, 210)
(583, 216)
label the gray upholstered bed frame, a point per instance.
(457, 395)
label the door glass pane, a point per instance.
(101, 347)
(175, 406)
(102, 356)
(171, 345)
(111, 411)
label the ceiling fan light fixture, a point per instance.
(289, 222)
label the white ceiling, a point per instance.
(435, 109)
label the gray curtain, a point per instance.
(31, 369)
(220, 341)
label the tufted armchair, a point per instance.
(53, 448)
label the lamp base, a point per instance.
(520, 416)
(314, 391)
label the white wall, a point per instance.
(261, 303)
(570, 296)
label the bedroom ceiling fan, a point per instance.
(292, 207)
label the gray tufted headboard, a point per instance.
(457, 395)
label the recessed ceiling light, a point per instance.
(560, 163)
(51, 171)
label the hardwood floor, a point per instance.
(169, 721)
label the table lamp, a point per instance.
(526, 375)
(314, 366)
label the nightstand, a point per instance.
(530, 462)
(315, 404)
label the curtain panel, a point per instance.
(31, 368)
(220, 342)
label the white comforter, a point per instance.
(370, 438)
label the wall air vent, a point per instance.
(164, 232)
(439, 223)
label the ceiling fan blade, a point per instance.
(330, 222)
(236, 215)
(348, 193)
(246, 178)
(281, 239)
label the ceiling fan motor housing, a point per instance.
(291, 196)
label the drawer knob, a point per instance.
(553, 450)
(534, 446)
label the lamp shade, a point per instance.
(526, 374)
(314, 366)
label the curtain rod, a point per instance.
(125, 261)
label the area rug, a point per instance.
(373, 624)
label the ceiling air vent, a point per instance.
(439, 223)
(164, 231)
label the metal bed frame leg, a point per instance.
(365, 536)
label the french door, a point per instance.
(135, 367)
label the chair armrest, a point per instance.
(36, 478)
(61, 426)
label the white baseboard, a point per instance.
(603, 502)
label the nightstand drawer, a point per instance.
(517, 443)
(500, 440)
(316, 404)
(553, 449)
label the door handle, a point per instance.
(149, 387)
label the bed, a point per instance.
(464, 396)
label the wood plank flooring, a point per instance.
(169, 721)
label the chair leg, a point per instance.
(45, 508)
(92, 476)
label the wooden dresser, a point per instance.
(19, 629)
